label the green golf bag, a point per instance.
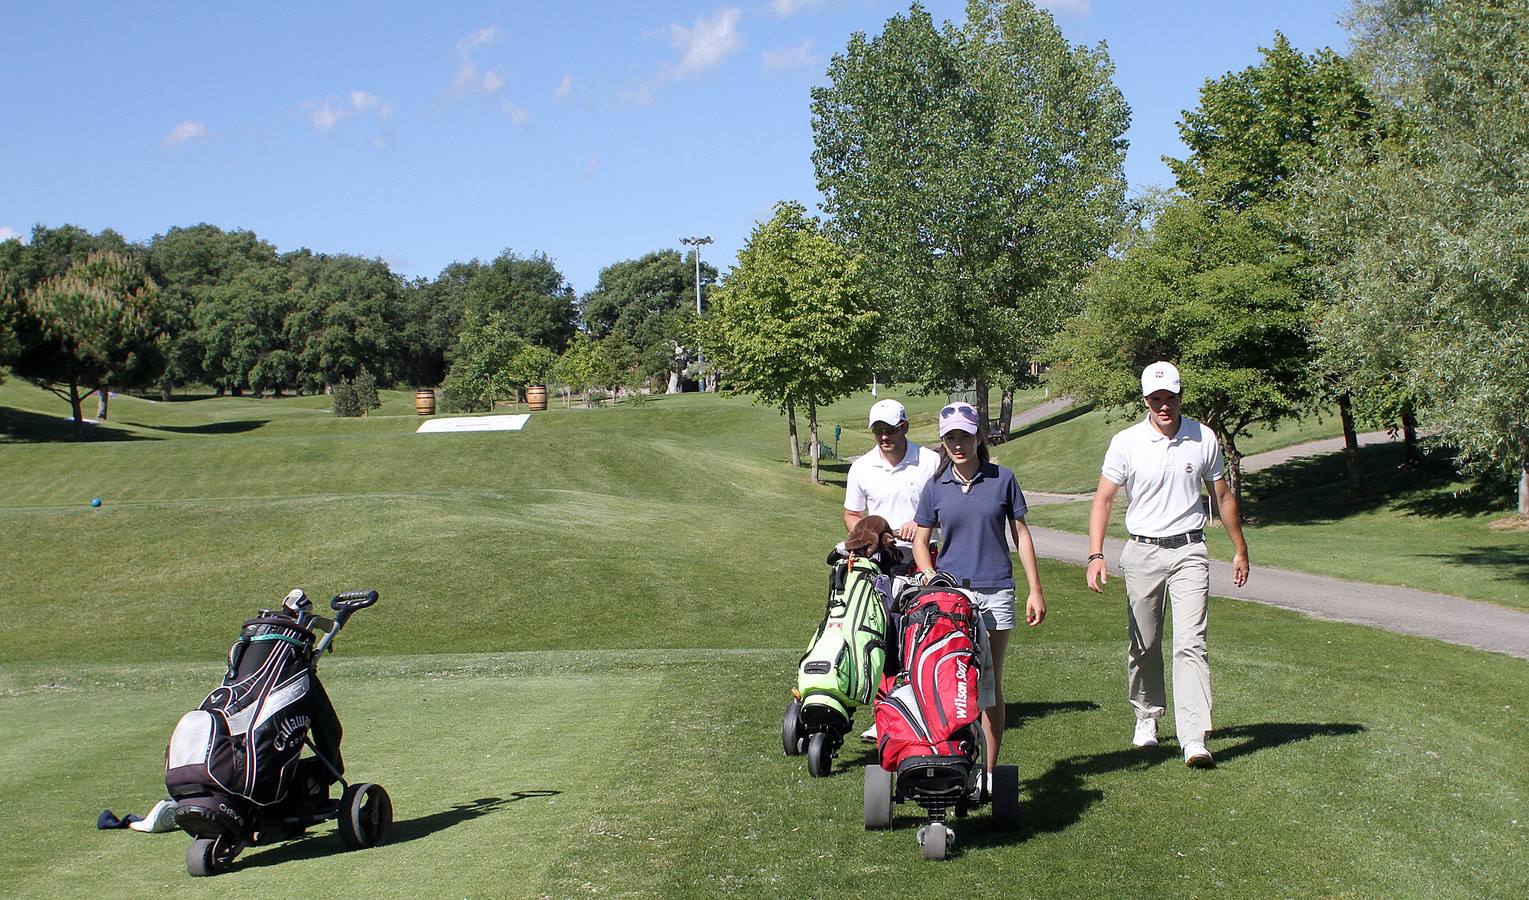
(842, 667)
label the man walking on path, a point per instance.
(889, 481)
(1161, 462)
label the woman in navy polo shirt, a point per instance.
(978, 505)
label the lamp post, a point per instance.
(698, 243)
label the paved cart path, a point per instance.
(1403, 610)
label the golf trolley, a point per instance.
(843, 664)
(928, 721)
(235, 765)
(943, 786)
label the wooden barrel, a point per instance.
(424, 401)
(536, 397)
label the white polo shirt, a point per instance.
(1162, 475)
(892, 492)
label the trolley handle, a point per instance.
(353, 600)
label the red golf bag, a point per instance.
(932, 709)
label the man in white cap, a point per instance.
(887, 481)
(1161, 462)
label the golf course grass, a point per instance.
(573, 682)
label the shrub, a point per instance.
(343, 400)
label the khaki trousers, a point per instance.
(1181, 577)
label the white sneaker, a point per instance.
(869, 735)
(1146, 733)
(1196, 756)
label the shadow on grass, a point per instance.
(311, 846)
(1502, 562)
(1059, 797)
(1315, 489)
(238, 427)
(19, 426)
(1066, 415)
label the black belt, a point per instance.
(1173, 540)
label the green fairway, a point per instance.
(573, 682)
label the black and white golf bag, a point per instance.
(241, 746)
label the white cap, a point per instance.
(1160, 376)
(888, 411)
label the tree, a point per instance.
(434, 320)
(1254, 135)
(1209, 290)
(240, 331)
(89, 330)
(978, 172)
(192, 263)
(1441, 250)
(792, 323)
(481, 363)
(575, 368)
(530, 293)
(644, 301)
(349, 313)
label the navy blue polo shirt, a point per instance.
(974, 525)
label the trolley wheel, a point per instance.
(208, 856)
(366, 814)
(1006, 796)
(792, 740)
(878, 797)
(936, 841)
(820, 756)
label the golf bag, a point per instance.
(932, 707)
(241, 746)
(843, 663)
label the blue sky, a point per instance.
(422, 134)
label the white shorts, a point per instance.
(997, 606)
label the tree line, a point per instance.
(85, 314)
(1345, 233)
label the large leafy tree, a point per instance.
(1253, 135)
(978, 172)
(240, 331)
(92, 329)
(435, 320)
(191, 265)
(792, 324)
(530, 293)
(1210, 290)
(349, 313)
(645, 301)
(1441, 244)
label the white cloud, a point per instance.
(7, 233)
(706, 43)
(564, 88)
(791, 58)
(184, 133)
(519, 115)
(1068, 7)
(468, 79)
(331, 111)
(702, 46)
(326, 114)
(785, 8)
(483, 37)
